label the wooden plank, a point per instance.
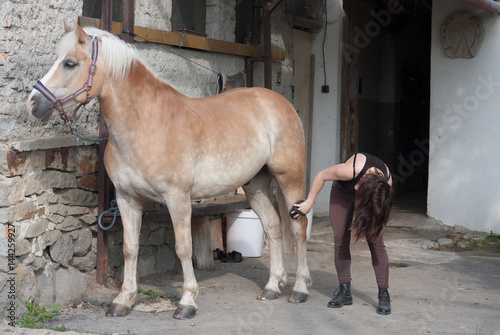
(189, 41)
(202, 244)
(203, 209)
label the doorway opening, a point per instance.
(394, 89)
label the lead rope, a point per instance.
(113, 208)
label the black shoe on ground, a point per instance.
(342, 296)
(384, 302)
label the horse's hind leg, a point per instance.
(131, 215)
(290, 179)
(259, 195)
(291, 194)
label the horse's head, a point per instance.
(68, 82)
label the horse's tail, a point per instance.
(288, 238)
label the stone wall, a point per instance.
(48, 204)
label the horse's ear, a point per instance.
(67, 27)
(82, 35)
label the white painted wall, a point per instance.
(326, 114)
(464, 173)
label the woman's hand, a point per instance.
(303, 207)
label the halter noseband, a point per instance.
(59, 103)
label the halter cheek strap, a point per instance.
(59, 103)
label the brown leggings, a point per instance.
(341, 215)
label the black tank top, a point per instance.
(371, 161)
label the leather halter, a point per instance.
(59, 103)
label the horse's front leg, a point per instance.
(180, 212)
(131, 215)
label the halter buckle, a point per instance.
(92, 69)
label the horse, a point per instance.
(171, 149)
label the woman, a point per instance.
(361, 188)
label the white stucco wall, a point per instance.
(326, 118)
(464, 173)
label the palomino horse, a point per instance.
(168, 148)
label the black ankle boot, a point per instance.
(384, 302)
(342, 296)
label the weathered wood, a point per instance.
(202, 244)
(215, 227)
(189, 41)
(203, 209)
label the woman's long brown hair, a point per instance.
(372, 207)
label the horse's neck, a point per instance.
(127, 102)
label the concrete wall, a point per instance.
(326, 115)
(48, 177)
(464, 177)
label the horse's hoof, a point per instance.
(184, 312)
(268, 295)
(298, 297)
(117, 310)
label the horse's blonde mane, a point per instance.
(118, 55)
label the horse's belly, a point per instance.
(215, 178)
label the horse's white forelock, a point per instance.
(118, 55)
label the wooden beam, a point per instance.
(189, 41)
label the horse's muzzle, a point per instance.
(40, 107)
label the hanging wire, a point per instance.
(324, 40)
(169, 50)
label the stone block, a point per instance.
(61, 251)
(88, 219)
(165, 259)
(70, 223)
(82, 242)
(54, 218)
(115, 257)
(48, 238)
(70, 284)
(23, 247)
(36, 263)
(26, 287)
(11, 190)
(76, 197)
(59, 159)
(156, 237)
(445, 242)
(47, 284)
(86, 263)
(49, 179)
(37, 228)
(87, 160)
(65, 210)
(146, 261)
(21, 211)
(12, 162)
(88, 182)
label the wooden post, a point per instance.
(202, 243)
(103, 181)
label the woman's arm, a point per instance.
(342, 171)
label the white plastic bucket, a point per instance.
(309, 224)
(244, 233)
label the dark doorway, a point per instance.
(394, 42)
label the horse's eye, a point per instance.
(69, 64)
